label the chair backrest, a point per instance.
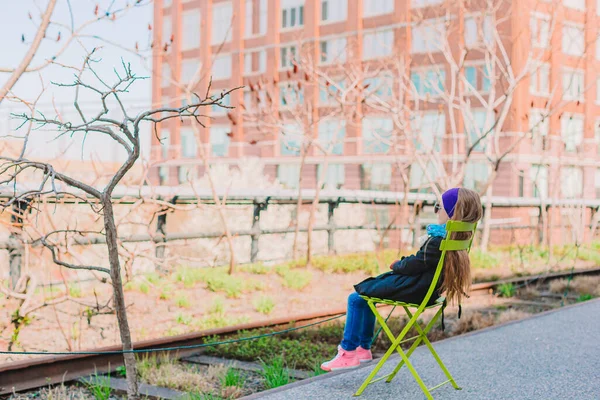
(450, 245)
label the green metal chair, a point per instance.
(446, 245)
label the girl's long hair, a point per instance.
(457, 266)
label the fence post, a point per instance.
(332, 205)
(259, 206)
(16, 247)
(161, 236)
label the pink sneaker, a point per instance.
(364, 355)
(343, 360)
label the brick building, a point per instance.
(240, 42)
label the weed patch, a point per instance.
(264, 305)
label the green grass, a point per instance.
(296, 279)
(275, 373)
(217, 306)
(219, 320)
(154, 278)
(264, 305)
(182, 301)
(166, 293)
(232, 378)
(189, 276)
(232, 286)
(144, 287)
(184, 319)
(584, 297)
(202, 396)
(256, 269)
(99, 386)
(506, 290)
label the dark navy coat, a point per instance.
(410, 277)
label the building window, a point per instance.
(221, 23)
(216, 109)
(290, 140)
(428, 131)
(334, 178)
(254, 100)
(167, 3)
(256, 26)
(421, 180)
(287, 56)
(292, 13)
(539, 25)
(190, 27)
(163, 174)
(288, 175)
(478, 129)
(333, 51)
(376, 176)
(425, 3)
(573, 39)
(165, 78)
(539, 126)
(165, 143)
(376, 134)
(571, 179)
(521, 183)
(478, 79)
(221, 68)
(372, 8)
(334, 10)
(476, 176)
(539, 80)
(255, 62)
(428, 81)
(291, 94)
(378, 44)
(428, 36)
(219, 140)
(479, 29)
(378, 88)
(539, 180)
(575, 4)
(573, 85)
(330, 92)
(187, 174)
(166, 103)
(188, 143)
(571, 127)
(189, 67)
(331, 136)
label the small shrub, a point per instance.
(165, 293)
(275, 373)
(217, 306)
(144, 287)
(189, 276)
(99, 385)
(221, 282)
(182, 301)
(232, 378)
(75, 291)
(153, 278)
(506, 290)
(264, 305)
(121, 371)
(297, 279)
(184, 319)
(584, 297)
(256, 269)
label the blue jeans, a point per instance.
(360, 324)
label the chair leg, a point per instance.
(395, 345)
(415, 343)
(423, 334)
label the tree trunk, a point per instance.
(299, 203)
(119, 298)
(487, 217)
(313, 209)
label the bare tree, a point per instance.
(126, 132)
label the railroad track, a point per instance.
(53, 369)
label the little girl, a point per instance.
(410, 279)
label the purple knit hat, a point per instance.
(449, 199)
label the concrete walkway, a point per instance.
(551, 356)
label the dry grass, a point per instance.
(580, 285)
(511, 315)
(472, 321)
(61, 392)
(168, 373)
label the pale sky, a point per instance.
(126, 30)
